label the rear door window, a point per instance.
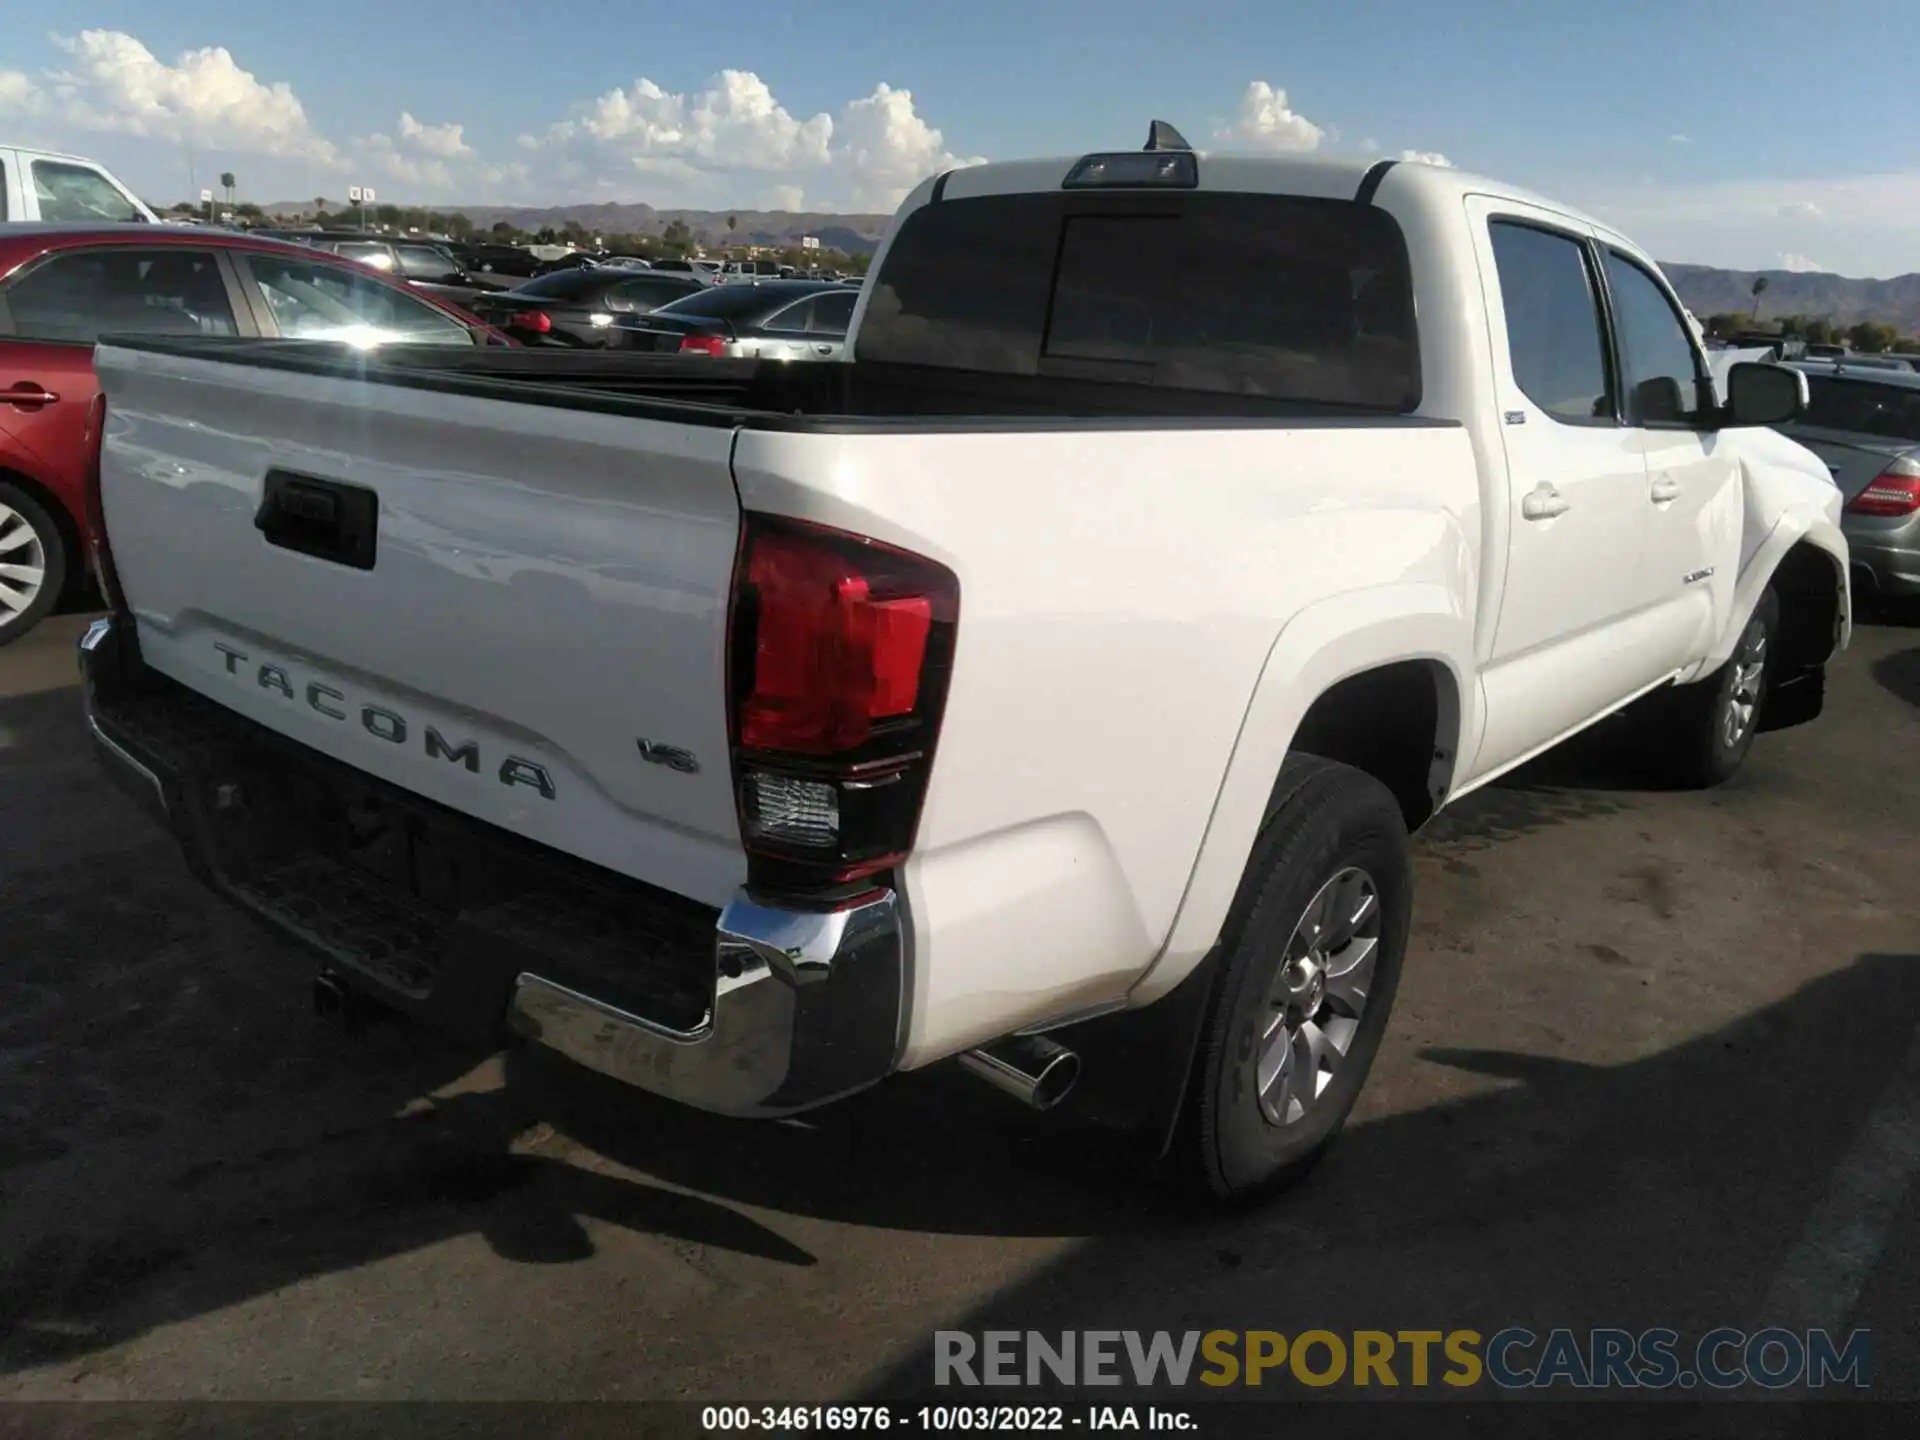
(423, 262)
(832, 314)
(79, 296)
(1554, 326)
(312, 300)
(1273, 296)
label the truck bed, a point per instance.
(768, 394)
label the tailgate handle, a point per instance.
(322, 518)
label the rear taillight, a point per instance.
(1894, 492)
(538, 321)
(99, 555)
(712, 345)
(839, 650)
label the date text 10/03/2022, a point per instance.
(991, 1419)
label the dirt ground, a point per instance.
(1655, 1061)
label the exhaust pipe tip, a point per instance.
(1031, 1068)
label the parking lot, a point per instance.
(1655, 1062)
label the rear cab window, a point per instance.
(1272, 296)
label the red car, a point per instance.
(63, 286)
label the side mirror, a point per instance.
(1760, 394)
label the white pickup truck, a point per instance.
(43, 185)
(1055, 685)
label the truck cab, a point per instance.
(44, 185)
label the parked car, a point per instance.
(42, 185)
(763, 319)
(707, 270)
(1872, 362)
(489, 258)
(578, 260)
(1054, 685)
(579, 307)
(1866, 426)
(62, 286)
(416, 262)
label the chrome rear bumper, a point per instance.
(801, 1007)
(805, 1009)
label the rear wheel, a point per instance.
(33, 563)
(1312, 959)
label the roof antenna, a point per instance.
(1162, 136)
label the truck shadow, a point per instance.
(1665, 1191)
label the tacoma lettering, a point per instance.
(387, 724)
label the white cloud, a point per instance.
(695, 148)
(442, 140)
(733, 124)
(1369, 145)
(18, 94)
(883, 149)
(1678, 139)
(728, 142)
(1801, 265)
(1266, 122)
(117, 85)
(1427, 157)
(1801, 210)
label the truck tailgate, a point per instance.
(535, 637)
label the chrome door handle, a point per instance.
(1543, 503)
(28, 393)
(824, 349)
(1665, 491)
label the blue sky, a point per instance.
(1679, 121)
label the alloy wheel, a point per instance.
(23, 564)
(1743, 699)
(1318, 995)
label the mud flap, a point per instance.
(1135, 1064)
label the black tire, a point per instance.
(1329, 819)
(48, 548)
(1701, 749)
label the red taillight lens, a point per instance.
(839, 648)
(704, 345)
(1889, 497)
(538, 321)
(99, 555)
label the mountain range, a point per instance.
(1705, 289)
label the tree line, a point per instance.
(677, 239)
(1869, 337)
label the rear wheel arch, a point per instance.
(1398, 722)
(1400, 655)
